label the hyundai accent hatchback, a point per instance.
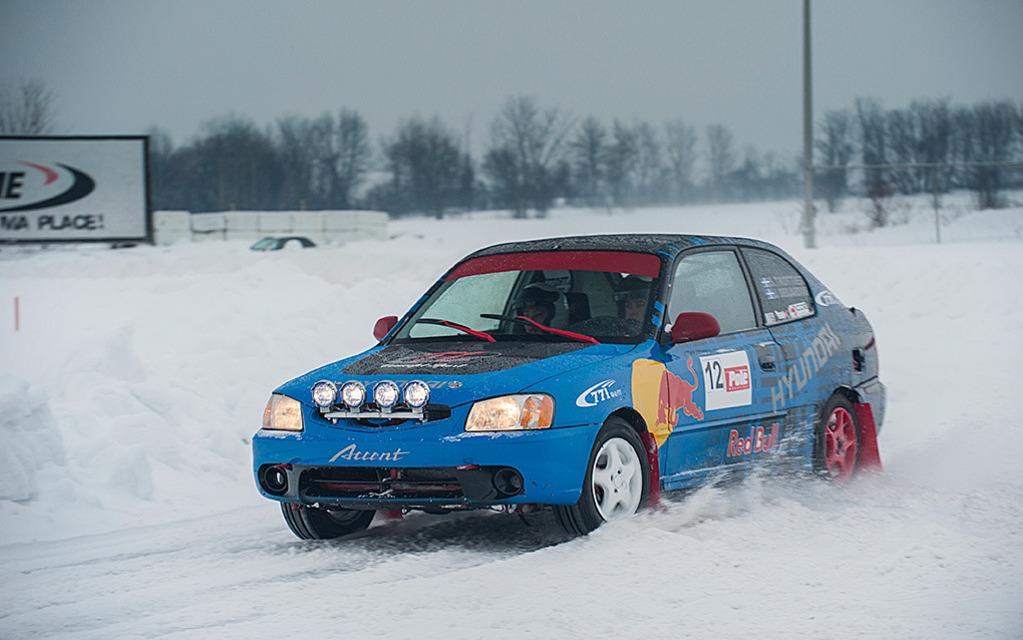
(585, 375)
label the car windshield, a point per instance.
(601, 295)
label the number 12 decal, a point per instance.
(726, 377)
(712, 374)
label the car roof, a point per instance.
(664, 244)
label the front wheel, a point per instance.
(617, 480)
(312, 523)
(837, 443)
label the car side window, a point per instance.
(713, 282)
(784, 294)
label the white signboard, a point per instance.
(74, 189)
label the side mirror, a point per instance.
(694, 325)
(384, 326)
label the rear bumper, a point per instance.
(875, 394)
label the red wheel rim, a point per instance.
(840, 444)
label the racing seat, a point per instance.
(578, 307)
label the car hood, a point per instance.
(460, 372)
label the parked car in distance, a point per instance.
(585, 375)
(276, 243)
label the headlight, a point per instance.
(282, 413)
(511, 413)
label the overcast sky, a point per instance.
(122, 66)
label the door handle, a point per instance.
(767, 362)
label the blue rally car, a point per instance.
(585, 374)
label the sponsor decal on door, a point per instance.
(727, 380)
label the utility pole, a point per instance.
(809, 234)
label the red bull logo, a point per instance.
(659, 395)
(677, 394)
(758, 441)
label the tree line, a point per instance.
(536, 156)
(930, 147)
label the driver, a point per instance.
(537, 302)
(633, 296)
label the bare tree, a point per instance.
(720, 158)
(169, 189)
(934, 127)
(426, 165)
(26, 108)
(528, 144)
(903, 143)
(783, 179)
(294, 142)
(650, 174)
(236, 167)
(994, 123)
(748, 179)
(324, 160)
(836, 145)
(620, 160)
(680, 149)
(588, 150)
(874, 149)
(353, 156)
(508, 180)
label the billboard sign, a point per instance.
(75, 189)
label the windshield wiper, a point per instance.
(454, 325)
(529, 322)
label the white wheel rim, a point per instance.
(617, 479)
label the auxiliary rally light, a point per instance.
(324, 393)
(386, 394)
(353, 394)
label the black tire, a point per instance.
(836, 445)
(312, 523)
(596, 505)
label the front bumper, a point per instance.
(422, 466)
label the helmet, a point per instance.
(541, 294)
(633, 287)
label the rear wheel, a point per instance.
(312, 523)
(617, 480)
(837, 444)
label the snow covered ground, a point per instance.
(136, 377)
